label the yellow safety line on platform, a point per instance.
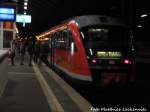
(54, 104)
(83, 104)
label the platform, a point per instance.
(38, 89)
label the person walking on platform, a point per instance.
(12, 51)
(30, 50)
(22, 50)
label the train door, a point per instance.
(66, 48)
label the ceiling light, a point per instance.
(139, 26)
(25, 7)
(143, 15)
(25, 3)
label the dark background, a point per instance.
(48, 13)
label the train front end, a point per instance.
(109, 54)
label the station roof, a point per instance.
(48, 13)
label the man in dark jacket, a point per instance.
(30, 50)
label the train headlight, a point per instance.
(94, 61)
(127, 61)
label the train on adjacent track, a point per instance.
(93, 49)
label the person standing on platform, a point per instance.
(44, 50)
(12, 51)
(30, 50)
(22, 50)
(36, 51)
(18, 46)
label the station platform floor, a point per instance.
(38, 89)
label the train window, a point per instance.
(110, 36)
(58, 40)
(63, 40)
(64, 33)
(98, 34)
(105, 37)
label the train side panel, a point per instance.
(73, 60)
(78, 59)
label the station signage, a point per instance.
(7, 13)
(21, 18)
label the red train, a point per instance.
(93, 48)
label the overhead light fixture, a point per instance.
(25, 7)
(143, 15)
(139, 26)
(25, 3)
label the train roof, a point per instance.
(88, 20)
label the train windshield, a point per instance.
(107, 38)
